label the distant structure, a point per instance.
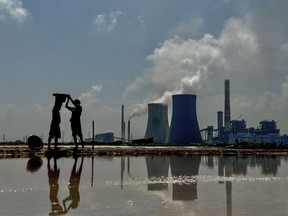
(157, 124)
(129, 131)
(122, 124)
(184, 128)
(104, 137)
(236, 131)
(227, 113)
(267, 132)
(219, 122)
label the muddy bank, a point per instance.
(67, 151)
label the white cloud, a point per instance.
(107, 22)
(13, 9)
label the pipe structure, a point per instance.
(227, 113)
(157, 124)
(184, 128)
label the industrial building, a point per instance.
(236, 131)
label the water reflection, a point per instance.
(34, 164)
(188, 168)
(157, 168)
(181, 167)
(53, 177)
(188, 182)
(74, 195)
(72, 200)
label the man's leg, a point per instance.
(75, 141)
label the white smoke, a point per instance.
(251, 50)
(90, 96)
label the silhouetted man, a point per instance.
(74, 195)
(55, 131)
(75, 120)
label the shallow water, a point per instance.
(199, 186)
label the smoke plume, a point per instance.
(247, 48)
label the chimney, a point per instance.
(227, 114)
(122, 124)
(128, 131)
(157, 124)
(219, 122)
(184, 128)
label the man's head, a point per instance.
(77, 102)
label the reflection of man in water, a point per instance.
(75, 120)
(74, 195)
(53, 175)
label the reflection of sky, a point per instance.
(24, 193)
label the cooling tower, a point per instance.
(227, 114)
(157, 124)
(184, 128)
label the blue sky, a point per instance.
(108, 53)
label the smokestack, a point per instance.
(122, 124)
(227, 114)
(157, 124)
(128, 132)
(219, 121)
(184, 128)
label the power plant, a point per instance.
(184, 128)
(235, 131)
(157, 124)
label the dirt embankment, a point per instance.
(22, 151)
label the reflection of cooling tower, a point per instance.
(157, 168)
(157, 125)
(184, 128)
(189, 167)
